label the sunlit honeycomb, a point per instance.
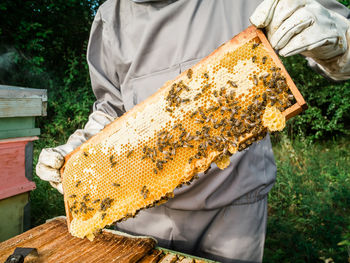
(205, 115)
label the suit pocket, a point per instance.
(140, 88)
(143, 87)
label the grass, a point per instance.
(309, 207)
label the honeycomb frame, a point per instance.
(248, 36)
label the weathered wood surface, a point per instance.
(55, 244)
(19, 102)
(153, 257)
(20, 107)
(22, 92)
(13, 167)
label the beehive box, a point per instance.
(221, 105)
(54, 244)
(18, 109)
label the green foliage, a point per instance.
(309, 207)
(43, 45)
(345, 2)
(329, 102)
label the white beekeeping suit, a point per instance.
(136, 46)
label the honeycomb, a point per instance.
(218, 107)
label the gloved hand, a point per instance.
(52, 159)
(306, 27)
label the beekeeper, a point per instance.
(136, 46)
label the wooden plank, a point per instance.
(17, 123)
(20, 107)
(181, 256)
(55, 244)
(12, 163)
(292, 111)
(13, 92)
(19, 133)
(18, 127)
(22, 92)
(153, 257)
(169, 258)
(186, 260)
(20, 139)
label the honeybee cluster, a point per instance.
(205, 116)
(223, 126)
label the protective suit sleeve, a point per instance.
(104, 78)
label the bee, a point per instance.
(159, 164)
(196, 97)
(196, 138)
(86, 198)
(85, 154)
(193, 114)
(264, 96)
(182, 134)
(206, 75)
(211, 108)
(255, 45)
(96, 201)
(207, 86)
(78, 183)
(129, 153)
(253, 59)
(281, 109)
(154, 149)
(187, 88)
(264, 59)
(232, 95)
(215, 93)
(113, 163)
(264, 76)
(185, 100)
(115, 184)
(168, 109)
(255, 80)
(103, 216)
(290, 97)
(198, 155)
(232, 83)
(155, 170)
(72, 196)
(189, 73)
(198, 121)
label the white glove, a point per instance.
(52, 159)
(306, 27)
